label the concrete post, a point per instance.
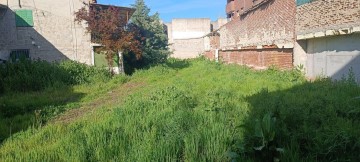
(217, 55)
(93, 56)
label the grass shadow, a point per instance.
(177, 64)
(315, 121)
(19, 111)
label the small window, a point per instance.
(24, 18)
(20, 54)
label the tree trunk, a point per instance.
(121, 63)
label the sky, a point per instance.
(170, 9)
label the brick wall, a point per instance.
(214, 42)
(323, 15)
(259, 59)
(271, 23)
(210, 54)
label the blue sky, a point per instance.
(170, 9)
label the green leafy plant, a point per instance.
(262, 143)
(265, 132)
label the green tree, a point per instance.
(152, 36)
(108, 27)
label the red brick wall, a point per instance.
(214, 42)
(230, 7)
(210, 54)
(273, 22)
(322, 15)
(259, 58)
(243, 5)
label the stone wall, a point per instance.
(271, 23)
(54, 36)
(322, 15)
(259, 59)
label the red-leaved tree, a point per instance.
(107, 25)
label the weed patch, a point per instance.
(197, 110)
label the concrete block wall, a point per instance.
(271, 23)
(328, 38)
(188, 48)
(190, 28)
(55, 36)
(218, 23)
(259, 59)
(334, 56)
(186, 37)
(322, 15)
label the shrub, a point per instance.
(36, 75)
(83, 74)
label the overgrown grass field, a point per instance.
(197, 110)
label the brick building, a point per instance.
(260, 34)
(328, 37)
(323, 36)
(46, 30)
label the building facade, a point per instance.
(45, 30)
(328, 38)
(320, 36)
(187, 36)
(260, 34)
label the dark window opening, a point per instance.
(20, 54)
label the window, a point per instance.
(24, 18)
(20, 54)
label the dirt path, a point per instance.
(112, 98)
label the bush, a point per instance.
(83, 74)
(36, 75)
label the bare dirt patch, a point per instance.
(112, 98)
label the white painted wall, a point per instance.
(190, 28)
(55, 36)
(186, 37)
(334, 56)
(300, 57)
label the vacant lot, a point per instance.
(200, 111)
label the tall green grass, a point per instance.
(35, 75)
(33, 91)
(199, 110)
